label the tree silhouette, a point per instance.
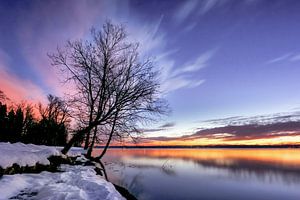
(115, 89)
(55, 117)
(19, 124)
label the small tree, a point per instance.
(116, 91)
(55, 118)
(3, 122)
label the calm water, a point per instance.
(266, 174)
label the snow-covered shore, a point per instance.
(30, 154)
(74, 182)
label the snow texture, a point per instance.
(30, 154)
(76, 182)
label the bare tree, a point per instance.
(56, 110)
(115, 90)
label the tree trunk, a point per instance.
(89, 152)
(87, 140)
(109, 139)
(75, 138)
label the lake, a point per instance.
(225, 174)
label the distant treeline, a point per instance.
(25, 123)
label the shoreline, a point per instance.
(55, 162)
(124, 192)
(28, 170)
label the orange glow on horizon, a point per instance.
(290, 157)
(278, 140)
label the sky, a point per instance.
(229, 68)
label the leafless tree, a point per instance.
(115, 90)
(56, 110)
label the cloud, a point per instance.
(191, 7)
(235, 129)
(16, 88)
(151, 130)
(168, 125)
(295, 57)
(239, 133)
(143, 33)
(288, 57)
(200, 62)
(39, 31)
(190, 27)
(170, 77)
(177, 77)
(163, 127)
(208, 5)
(195, 9)
(184, 10)
(260, 119)
(280, 58)
(249, 131)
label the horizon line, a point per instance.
(200, 146)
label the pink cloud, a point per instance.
(17, 89)
(41, 30)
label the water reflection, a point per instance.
(206, 173)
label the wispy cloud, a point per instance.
(149, 35)
(184, 10)
(16, 88)
(208, 5)
(244, 129)
(177, 77)
(190, 27)
(250, 131)
(259, 119)
(190, 7)
(39, 31)
(168, 125)
(287, 57)
(295, 57)
(200, 62)
(163, 127)
(194, 8)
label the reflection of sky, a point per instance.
(218, 58)
(207, 173)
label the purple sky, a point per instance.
(218, 58)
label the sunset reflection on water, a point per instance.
(206, 173)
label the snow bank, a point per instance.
(76, 182)
(30, 154)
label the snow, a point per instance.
(76, 182)
(82, 159)
(30, 154)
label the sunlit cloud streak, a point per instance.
(20, 89)
(17, 89)
(259, 119)
(241, 129)
(163, 127)
(168, 125)
(178, 77)
(184, 10)
(288, 57)
(40, 31)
